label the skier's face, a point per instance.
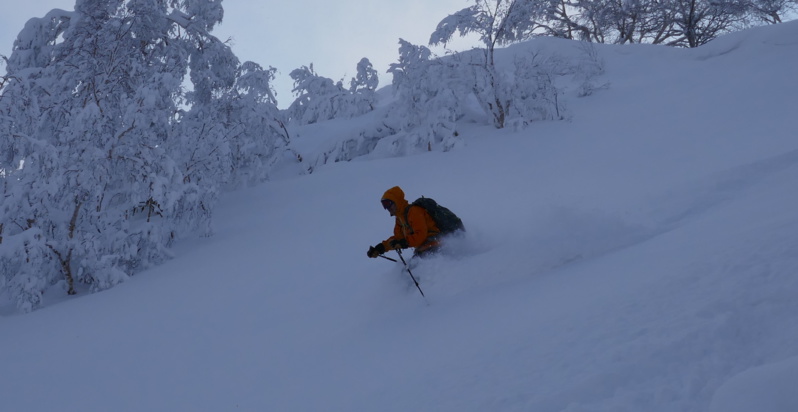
(389, 206)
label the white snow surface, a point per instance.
(641, 256)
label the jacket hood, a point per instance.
(396, 195)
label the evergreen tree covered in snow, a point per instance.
(99, 173)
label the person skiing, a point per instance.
(414, 227)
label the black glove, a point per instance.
(399, 244)
(376, 251)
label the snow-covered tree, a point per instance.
(199, 144)
(429, 95)
(771, 11)
(319, 98)
(257, 133)
(697, 22)
(497, 22)
(363, 87)
(627, 21)
(687, 23)
(524, 92)
(535, 95)
(94, 187)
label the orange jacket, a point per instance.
(413, 223)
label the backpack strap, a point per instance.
(407, 222)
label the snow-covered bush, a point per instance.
(588, 69)
(534, 94)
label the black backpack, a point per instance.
(444, 218)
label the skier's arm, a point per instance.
(397, 234)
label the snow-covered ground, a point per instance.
(642, 256)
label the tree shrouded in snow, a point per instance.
(105, 159)
(255, 130)
(429, 95)
(319, 98)
(498, 90)
(497, 22)
(363, 87)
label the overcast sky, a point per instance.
(333, 36)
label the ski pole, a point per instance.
(386, 257)
(399, 251)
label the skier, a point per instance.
(414, 227)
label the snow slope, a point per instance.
(642, 256)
